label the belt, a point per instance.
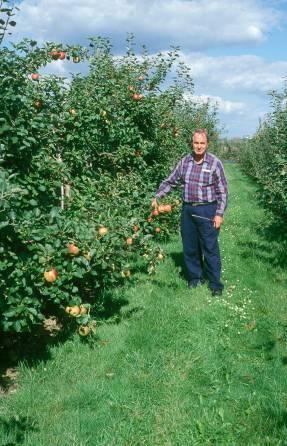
(200, 203)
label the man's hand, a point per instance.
(154, 203)
(217, 221)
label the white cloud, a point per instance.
(223, 105)
(246, 73)
(194, 24)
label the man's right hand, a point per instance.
(154, 203)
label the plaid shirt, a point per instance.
(203, 182)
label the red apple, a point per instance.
(73, 250)
(35, 76)
(51, 275)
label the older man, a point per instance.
(204, 201)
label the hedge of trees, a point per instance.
(264, 156)
(80, 159)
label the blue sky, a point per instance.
(236, 49)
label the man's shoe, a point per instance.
(215, 293)
(195, 285)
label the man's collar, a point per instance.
(205, 160)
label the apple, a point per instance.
(129, 241)
(175, 132)
(141, 78)
(35, 76)
(149, 219)
(73, 250)
(83, 310)
(136, 228)
(160, 256)
(72, 111)
(55, 54)
(84, 330)
(62, 55)
(76, 59)
(75, 310)
(103, 230)
(51, 275)
(161, 208)
(67, 310)
(155, 212)
(167, 208)
(157, 229)
(137, 97)
(126, 273)
(131, 88)
(38, 104)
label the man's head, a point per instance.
(199, 143)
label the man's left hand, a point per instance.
(217, 221)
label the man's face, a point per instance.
(199, 144)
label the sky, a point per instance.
(236, 49)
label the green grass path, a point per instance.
(176, 367)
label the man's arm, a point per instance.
(221, 194)
(170, 182)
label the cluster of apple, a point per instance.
(136, 96)
(161, 209)
(175, 130)
(79, 311)
(57, 55)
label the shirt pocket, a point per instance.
(207, 178)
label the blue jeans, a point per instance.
(200, 244)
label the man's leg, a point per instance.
(210, 248)
(191, 248)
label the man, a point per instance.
(204, 201)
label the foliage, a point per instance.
(265, 155)
(78, 155)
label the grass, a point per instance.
(175, 367)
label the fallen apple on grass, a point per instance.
(84, 330)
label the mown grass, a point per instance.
(175, 367)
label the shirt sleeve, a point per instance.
(221, 190)
(171, 181)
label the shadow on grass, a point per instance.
(178, 261)
(269, 243)
(17, 427)
(35, 347)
